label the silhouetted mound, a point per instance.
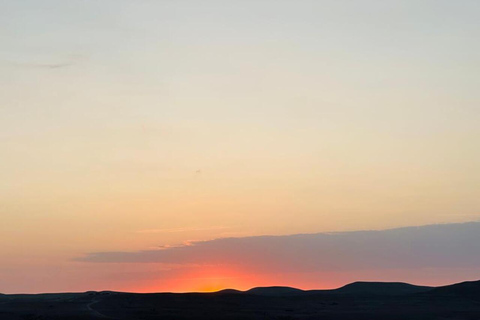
(381, 288)
(467, 289)
(275, 291)
(229, 291)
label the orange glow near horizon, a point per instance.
(211, 279)
(214, 278)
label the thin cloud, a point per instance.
(42, 65)
(175, 230)
(71, 61)
(444, 246)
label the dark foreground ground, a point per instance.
(356, 302)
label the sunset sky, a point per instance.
(185, 145)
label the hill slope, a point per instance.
(381, 288)
(356, 301)
(468, 289)
(275, 291)
(356, 288)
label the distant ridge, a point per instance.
(355, 288)
(229, 291)
(355, 301)
(467, 288)
(275, 291)
(383, 288)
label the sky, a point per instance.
(139, 137)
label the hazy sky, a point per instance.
(128, 125)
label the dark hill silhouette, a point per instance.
(467, 289)
(356, 288)
(355, 301)
(382, 288)
(275, 291)
(229, 291)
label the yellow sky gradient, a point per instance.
(130, 125)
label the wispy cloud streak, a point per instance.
(445, 246)
(62, 63)
(175, 230)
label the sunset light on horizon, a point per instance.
(196, 146)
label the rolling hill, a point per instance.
(355, 301)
